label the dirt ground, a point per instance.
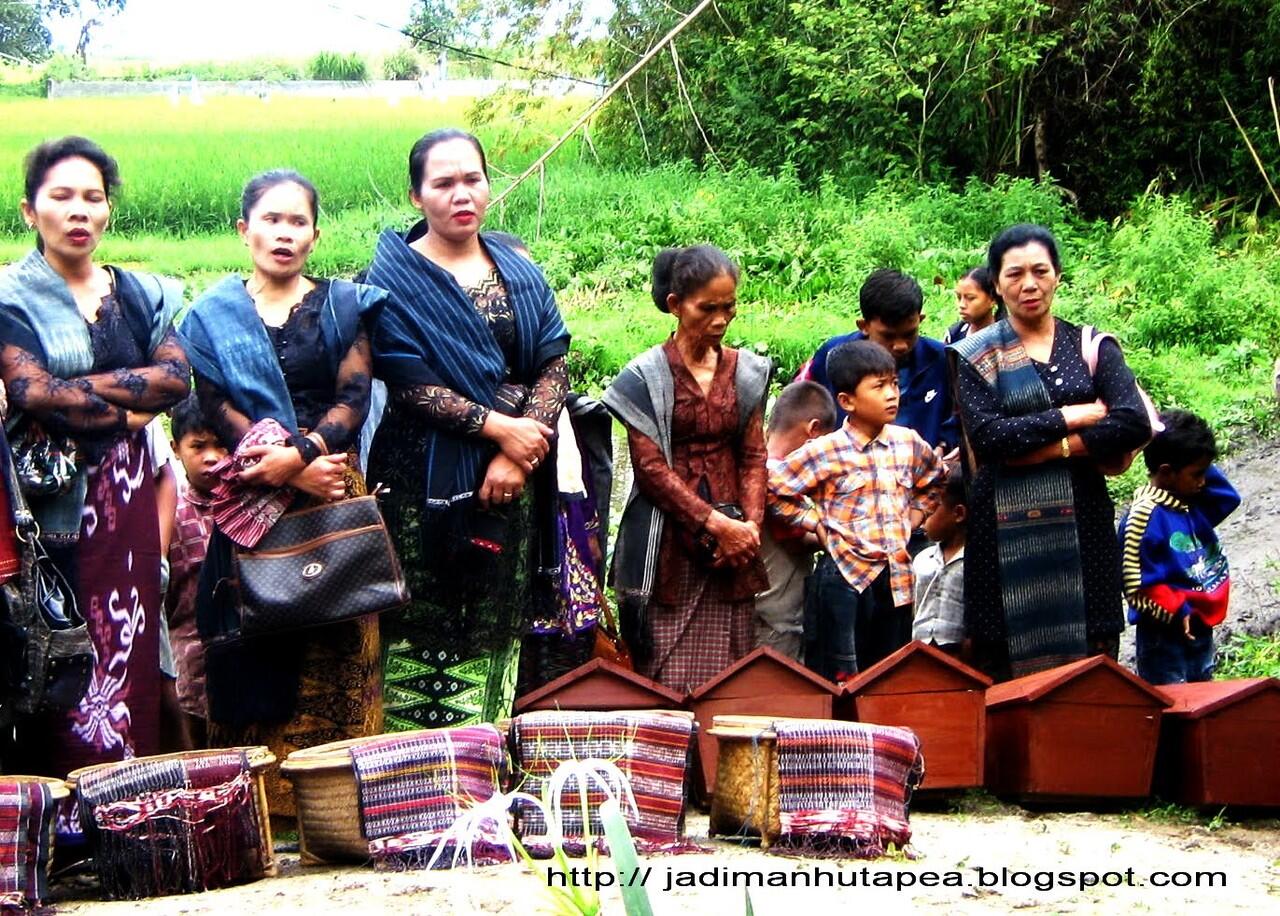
(1028, 860)
(1236, 865)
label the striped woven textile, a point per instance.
(26, 814)
(414, 786)
(847, 782)
(650, 749)
(173, 826)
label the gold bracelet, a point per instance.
(1066, 447)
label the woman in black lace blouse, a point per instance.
(472, 348)
(322, 684)
(89, 356)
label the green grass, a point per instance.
(1197, 311)
(1249, 656)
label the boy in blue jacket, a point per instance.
(892, 306)
(1175, 574)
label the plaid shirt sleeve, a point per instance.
(929, 474)
(799, 476)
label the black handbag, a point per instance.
(319, 565)
(46, 656)
(44, 465)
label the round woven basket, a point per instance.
(746, 802)
(259, 758)
(328, 800)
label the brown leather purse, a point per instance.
(609, 643)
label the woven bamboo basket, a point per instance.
(328, 800)
(259, 759)
(747, 801)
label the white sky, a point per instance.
(198, 30)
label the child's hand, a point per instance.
(1186, 627)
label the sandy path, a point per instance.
(953, 846)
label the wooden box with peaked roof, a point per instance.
(1087, 729)
(762, 683)
(1220, 743)
(600, 685)
(939, 698)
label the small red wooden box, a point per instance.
(762, 683)
(1088, 729)
(940, 699)
(600, 686)
(1220, 743)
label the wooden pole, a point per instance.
(599, 103)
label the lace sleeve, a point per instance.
(150, 388)
(340, 425)
(546, 398)
(61, 405)
(443, 408)
(216, 408)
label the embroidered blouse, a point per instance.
(123, 378)
(446, 409)
(334, 407)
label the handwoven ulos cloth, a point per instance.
(650, 749)
(413, 787)
(847, 782)
(26, 819)
(174, 825)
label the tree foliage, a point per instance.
(92, 13)
(23, 36)
(1106, 96)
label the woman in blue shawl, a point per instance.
(89, 357)
(472, 349)
(282, 346)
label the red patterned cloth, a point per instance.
(186, 556)
(173, 825)
(244, 513)
(847, 781)
(650, 749)
(414, 787)
(26, 819)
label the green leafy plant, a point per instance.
(331, 65)
(401, 65)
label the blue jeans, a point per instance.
(847, 631)
(1166, 656)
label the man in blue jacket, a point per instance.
(892, 307)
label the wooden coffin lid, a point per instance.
(782, 670)
(1195, 701)
(1036, 687)
(934, 670)
(753, 726)
(600, 685)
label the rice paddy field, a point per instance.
(1195, 300)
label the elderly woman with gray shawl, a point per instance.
(687, 563)
(89, 357)
(472, 349)
(1040, 421)
(283, 374)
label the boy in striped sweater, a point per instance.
(1175, 573)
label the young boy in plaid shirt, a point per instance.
(863, 489)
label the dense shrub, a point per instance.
(330, 65)
(401, 65)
